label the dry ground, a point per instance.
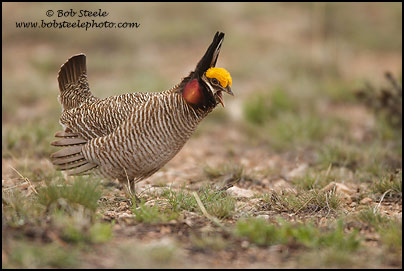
(297, 171)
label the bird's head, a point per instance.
(203, 87)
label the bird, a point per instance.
(131, 136)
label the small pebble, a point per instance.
(366, 201)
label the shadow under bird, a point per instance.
(131, 136)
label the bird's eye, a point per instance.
(215, 81)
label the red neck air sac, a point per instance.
(193, 92)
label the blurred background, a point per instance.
(296, 68)
(318, 103)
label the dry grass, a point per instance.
(294, 127)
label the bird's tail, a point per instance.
(73, 84)
(70, 158)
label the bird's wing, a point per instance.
(101, 117)
(90, 121)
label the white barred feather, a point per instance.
(128, 136)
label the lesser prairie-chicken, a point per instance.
(131, 136)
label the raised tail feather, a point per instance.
(73, 84)
(210, 57)
(70, 158)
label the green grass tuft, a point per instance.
(152, 214)
(101, 232)
(340, 154)
(391, 183)
(209, 242)
(80, 226)
(317, 179)
(392, 237)
(262, 233)
(83, 191)
(161, 253)
(259, 232)
(217, 203)
(31, 255)
(305, 201)
(19, 210)
(180, 199)
(390, 229)
(373, 218)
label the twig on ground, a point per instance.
(25, 179)
(326, 201)
(301, 207)
(381, 199)
(205, 213)
(328, 170)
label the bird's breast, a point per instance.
(154, 135)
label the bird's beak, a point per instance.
(219, 94)
(228, 90)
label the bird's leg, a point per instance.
(137, 199)
(132, 193)
(129, 184)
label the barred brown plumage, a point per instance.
(131, 136)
